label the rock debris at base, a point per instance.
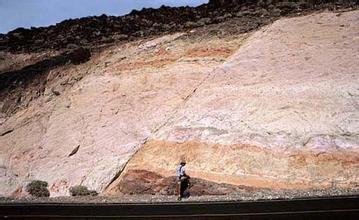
(249, 196)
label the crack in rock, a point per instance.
(74, 151)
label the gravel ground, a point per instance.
(240, 196)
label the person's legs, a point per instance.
(179, 188)
(183, 185)
(185, 191)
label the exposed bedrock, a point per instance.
(280, 113)
(19, 87)
(147, 182)
(235, 167)
(91, 118)
(275, 109)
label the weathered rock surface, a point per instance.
(101, 111)
(15, 86)
(146, 182)
(280, 113)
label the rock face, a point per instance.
(91, 118)
(16, 85)
(278, 114)
(275, 109)
(146, 182)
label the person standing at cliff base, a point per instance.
(182, 179)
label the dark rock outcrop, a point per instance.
(221, 3)
(14, 84)
(97, 30)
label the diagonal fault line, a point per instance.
(174, 112)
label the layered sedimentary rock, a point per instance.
(91, 118)
(275, 109)
(281, 113)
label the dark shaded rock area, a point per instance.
(14, 83)
(146, 182)
(98, 30)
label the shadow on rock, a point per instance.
(13, 83)
(146, 182)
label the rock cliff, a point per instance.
(249, 103)
(277, 114)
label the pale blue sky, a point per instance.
(27, 13)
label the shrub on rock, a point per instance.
(38, 188)
(82, 191)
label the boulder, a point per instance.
(79, 55)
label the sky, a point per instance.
(36, 13)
